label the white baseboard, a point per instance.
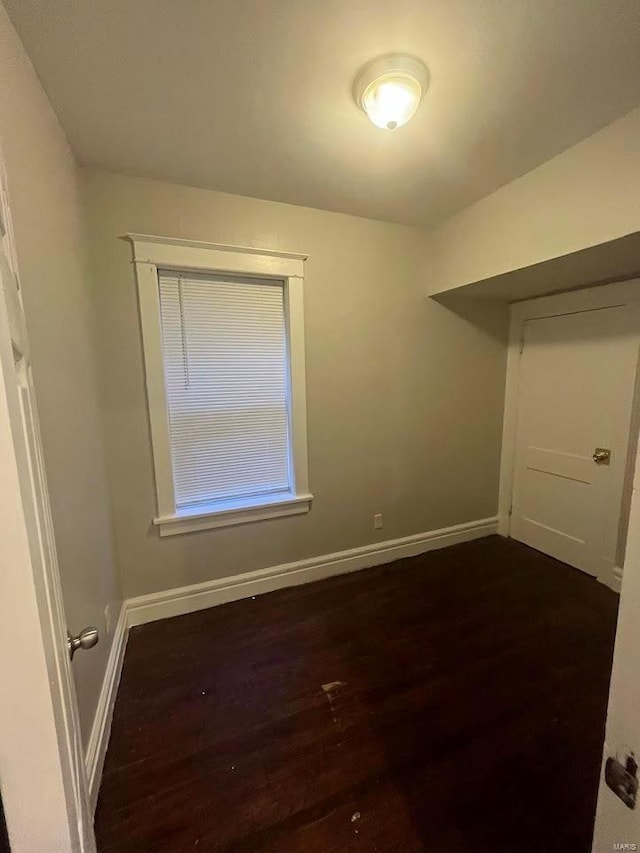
(187, 599)
(616, 581)
(504, 525)
(99, 737)
(612, 578)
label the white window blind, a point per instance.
(226, 375)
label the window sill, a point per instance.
(232, 514)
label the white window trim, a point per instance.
(151, 253)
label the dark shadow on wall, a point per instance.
(491, 316)
(4, 837)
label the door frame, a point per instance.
(38, 805)
(42, 772)
(623, 293)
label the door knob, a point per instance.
(86, 639)
(601, 456)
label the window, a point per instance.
(223, 343)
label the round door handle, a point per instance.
(601, 456)
(86, 639)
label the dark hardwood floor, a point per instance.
(449, 702)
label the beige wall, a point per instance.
(587, 195)
(404, 396)
(43, 185)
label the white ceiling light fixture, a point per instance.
(389, 89)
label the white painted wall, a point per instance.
(394, 381)
(43, 183)
(587, 195)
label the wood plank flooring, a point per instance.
(449, 702)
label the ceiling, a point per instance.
(254, 96)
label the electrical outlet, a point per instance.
(377, 521)
(107, 620)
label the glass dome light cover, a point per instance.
(389, 89)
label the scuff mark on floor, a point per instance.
(330, 691)
(332, 685)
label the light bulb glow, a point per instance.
(390, 103)
(389, 89)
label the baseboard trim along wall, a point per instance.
(99, 737)
(616, 580)
(175, 602)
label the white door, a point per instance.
(575, 397)
(42, 775)
(617, 822)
